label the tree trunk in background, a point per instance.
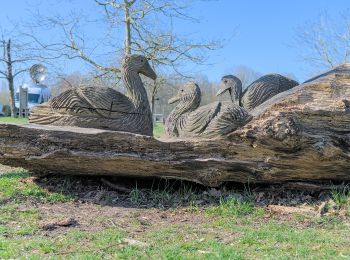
(153, 98)
(127, 28)
(152, 105)
(10, 78)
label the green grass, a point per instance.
(266, 240)
(15, 221)
(158, 130)
(233, 207)
(263, 240)
(341, 197)
(246, 241)
(233, 228)
(14, 188)
(13, 120)
(253, 240)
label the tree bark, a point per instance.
(153, 98)
(10, 78)
(127, 27)
(299, 135)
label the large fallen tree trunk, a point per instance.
(302, 134)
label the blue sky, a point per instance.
(263, 30)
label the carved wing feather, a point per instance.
(106, 102)
(264, 88)
(198, 120)
(228, 119)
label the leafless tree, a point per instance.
(12, 65)
(147, 29)
(143, 35)
(324, 43)
(64, 82)
(19, 51)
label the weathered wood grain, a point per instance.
(299, 135)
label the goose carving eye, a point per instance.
(182, 90)
(141, 60)
(225, 81)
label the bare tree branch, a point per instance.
(3, 73)
(19, 72)
(147, 28)
(324, 43)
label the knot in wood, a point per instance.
(285, 129)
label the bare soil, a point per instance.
(153, 204)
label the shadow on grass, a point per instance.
(163, 193)
(20, 185)
(150, 193)
(139, 193)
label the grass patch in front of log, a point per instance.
(158, 130)
(270, 240)
(19, 186)
(342, 196)
(261, 239)
(236, 205)
(18, 221)
(190, 224)
(14, 120)
(233, 207)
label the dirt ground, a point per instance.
(165, 217)
(147, 204)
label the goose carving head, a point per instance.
(138, 64)
(233, 85)
(188, 96)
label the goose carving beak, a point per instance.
(173, 99)
(223, 89)
(148, 71)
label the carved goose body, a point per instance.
(256, 93)
(104, 108)
(189, 120)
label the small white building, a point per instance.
(37, 95)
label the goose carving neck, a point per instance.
(256, 93)
(104, 108)
(187, 119)
(188, 99)
(132, 66)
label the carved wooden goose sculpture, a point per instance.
(189, 120)
(104, 108)
(256, 93)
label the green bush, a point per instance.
(6, 110)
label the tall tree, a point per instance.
(145, 27)
(9, 70)
(19, 53)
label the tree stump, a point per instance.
(299, 135)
